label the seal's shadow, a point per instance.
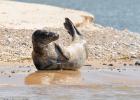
(63, 77)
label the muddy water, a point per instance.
(25, 83)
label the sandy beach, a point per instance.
(112, 64)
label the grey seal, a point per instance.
(48, 55)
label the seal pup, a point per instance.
(48, 55)
(73, 56)
(43, 54)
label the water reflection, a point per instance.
(85, 84)
(53, 77)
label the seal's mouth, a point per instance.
(57, 36)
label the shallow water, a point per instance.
(120, 14)
(25, 83)
(70, 93)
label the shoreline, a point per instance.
(105, 44)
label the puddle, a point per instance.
(25, 83)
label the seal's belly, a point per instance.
(77, 55)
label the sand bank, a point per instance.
(18, 15)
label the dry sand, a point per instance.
(16, 15)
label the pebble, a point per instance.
(2, 72)
(28, 66)
(130, 64)
(104, 64)
(29, 70)
(88, 65)
(110, 64)
(13, 71)
(124, 64)
(137, 63)
(20, 66)
(9, 76)
(119, 70)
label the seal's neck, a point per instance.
(40, 48)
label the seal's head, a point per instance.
(44, 37)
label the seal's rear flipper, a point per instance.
(63, 55)
(72, 30)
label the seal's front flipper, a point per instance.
(69, 26)
(72, 30)
(62, 54)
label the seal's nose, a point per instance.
(57, 35)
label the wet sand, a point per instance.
(25, 83)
